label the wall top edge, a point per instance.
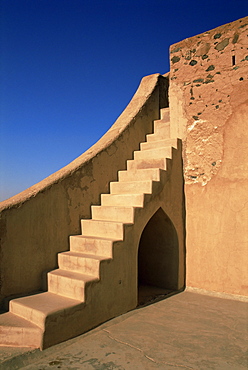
(145, 89)
(239, 23)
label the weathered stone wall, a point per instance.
(35, 224)
(209, 111)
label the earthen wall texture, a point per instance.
(209, 111)
(35, 225)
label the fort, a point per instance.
(158, 204)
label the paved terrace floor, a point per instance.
(184, 331)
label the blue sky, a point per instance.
(69, 67)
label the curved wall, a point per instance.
(35, 224)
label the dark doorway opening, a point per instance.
(158, 259)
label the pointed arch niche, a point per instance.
(158, 258)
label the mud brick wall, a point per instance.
(209, 111)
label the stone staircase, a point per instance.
(67, 308)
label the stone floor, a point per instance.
(184, 331)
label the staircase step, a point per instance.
(165, 113)
(113, 213)
(159, 134)
(161, 125)
(132, 187)
(79, 268)
(140, 174)
(69, 283)
(36, 308)
(91, 245)
(18, 332)
(164, 152)
(146, 163)
(79, 262)
(105, 229)
(134, 200)
(159, 144)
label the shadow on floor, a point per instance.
(149, 294)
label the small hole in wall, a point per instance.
(233, 60)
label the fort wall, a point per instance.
(209, 110)
(35, 225)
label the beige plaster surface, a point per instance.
(35, 225)
(205, 90)
(90, 287)
(209, 108)
(99, 280)
(218, 242)
(185, 331)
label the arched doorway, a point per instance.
(158, 258)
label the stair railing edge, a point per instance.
(52, 201)
(145, 90)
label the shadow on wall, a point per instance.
(40, 219)
(158, 258)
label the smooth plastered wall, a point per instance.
(36, 224)
(209, 110)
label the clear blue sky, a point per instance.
(69, 68)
